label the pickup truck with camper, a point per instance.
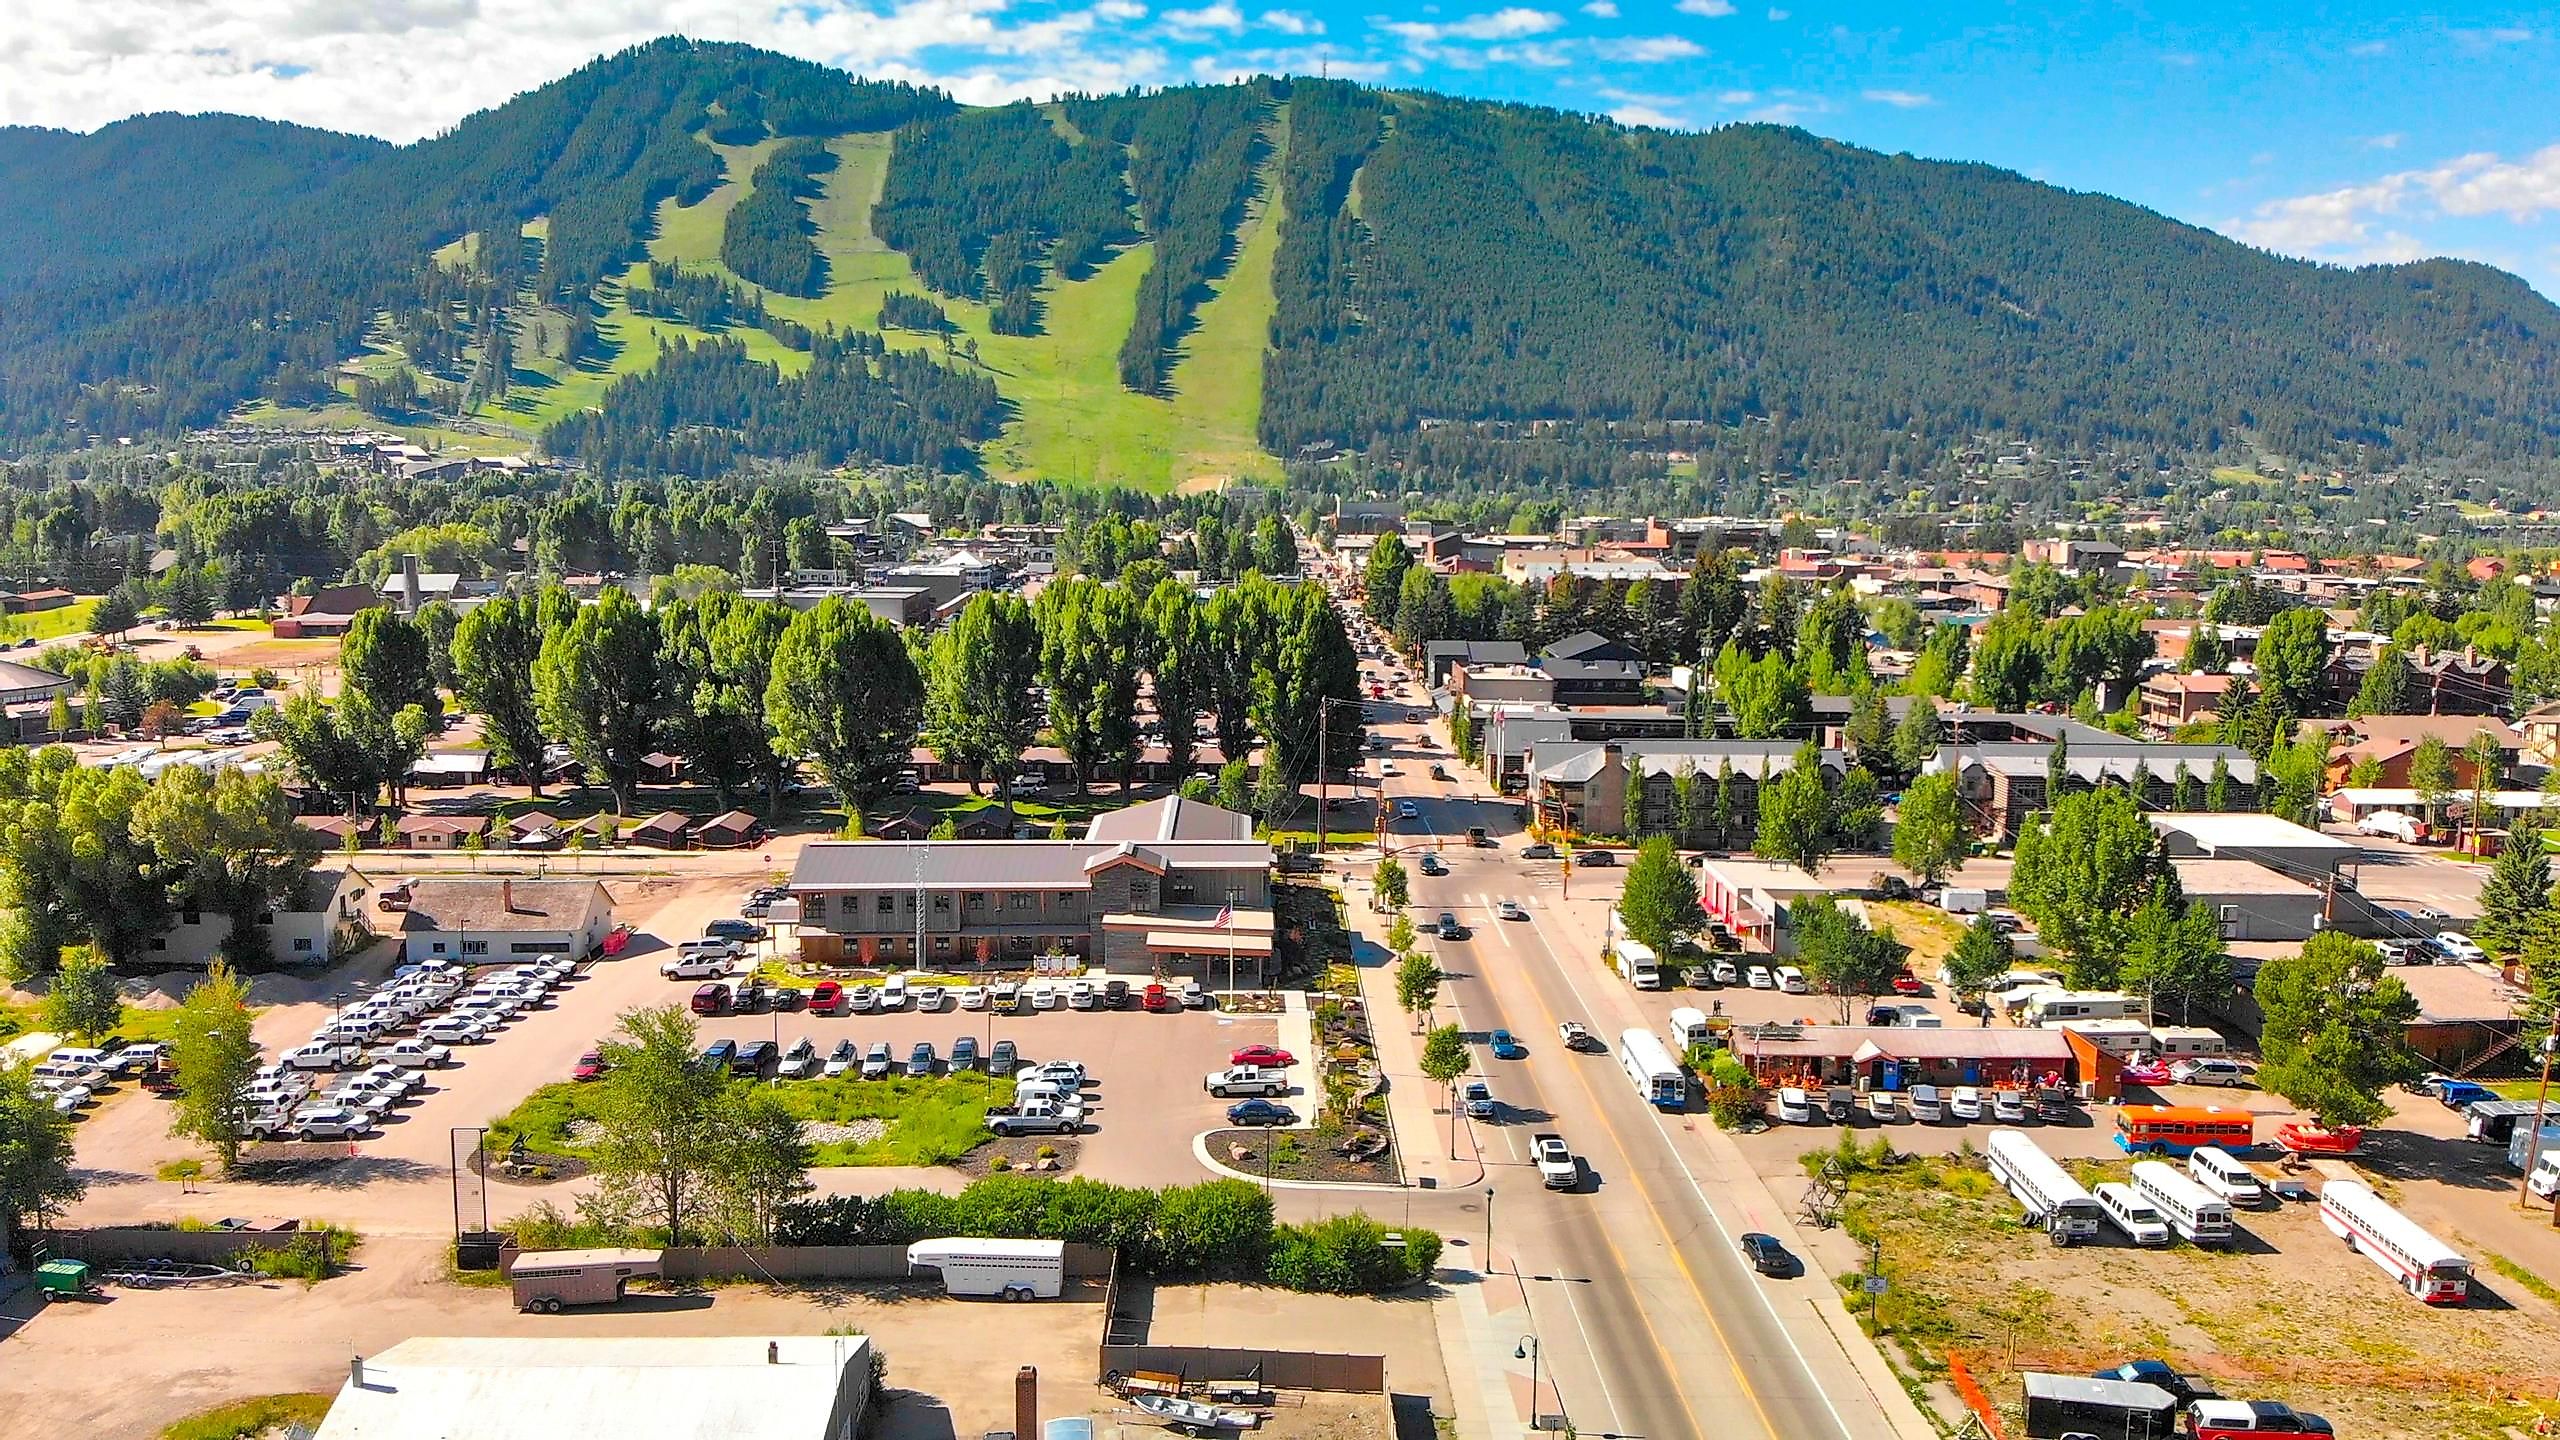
(1037, 1117)
(1241, 1080)
(1557, 1169)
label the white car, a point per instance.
(266, 1122)
(861, 999)
(2008, 1106)
(1046, 997)
(1387, 769)
(396, 1079)
(1761, 979)
(1066, 1074)
(416, 1054)
(875, 1061)
(1407, 810)
(2459, 946)
(454, 1030)
(1195, 996)
(370, 1101)
(928, 998)
(1082, 995)
(331, 1122)
(973, 997)
(801, 1060)
(1965, 1103)
(844, 1057)
(2209, 1070)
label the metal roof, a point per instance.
(998, 864)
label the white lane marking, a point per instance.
(1599, 1373)
(1722, 1230)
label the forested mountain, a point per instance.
(1444, 271)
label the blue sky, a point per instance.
(2348, 133)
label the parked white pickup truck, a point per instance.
(696, 965)
(1248, 1080)
(1037, 1117)
(1557, 1169)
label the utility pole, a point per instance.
(2533, 1141)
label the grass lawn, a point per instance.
(931, 1121)
(71, 619)
(265, 1415)
(137, 1026)
(1931, 933)
(2525, 1089)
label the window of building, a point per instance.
(976, 904)
(475, 947)
(436, 947)
(1022, 900)
(539, 947)
(814, 907)
(941, 944)
(302, 944)
(941, 904)
(887, 905)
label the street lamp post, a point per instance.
(1488, 1227)
(1527, 1350)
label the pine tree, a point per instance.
(2517, 893)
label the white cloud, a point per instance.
(2367, 49)
(2355, 223)
(1647, 115)
(402, 69)
(1712, 9)
(1601, 10)
(1290, 22)
(1511, 23)
(2494, 36)
(1650, 49)
(1298, 60)
(1219, 16)
(2390, 141)
(1900, 99)
(1776, 15)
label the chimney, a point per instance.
(355, 1372)
(1026, 1403)
(409, 584)
(773, 1352)
(507, 896)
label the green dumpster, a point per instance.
(61, 1279)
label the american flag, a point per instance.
(1226, 917)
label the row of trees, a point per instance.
(747, 690)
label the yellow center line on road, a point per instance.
(1654, 1210)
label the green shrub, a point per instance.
(240, 1418)
(1348, 1255)
(314, 1254)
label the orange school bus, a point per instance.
(2182, 1129)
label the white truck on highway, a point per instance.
(1248, 1080)
(1557, 1169)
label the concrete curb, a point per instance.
(1200, 1152)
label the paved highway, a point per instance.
(1651, 1323)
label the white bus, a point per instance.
(1689, 1027)
(2425, 1266)
(1007, 1269)
(2198, 1215)
(2068, 1213)
(1650, 1066)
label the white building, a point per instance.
(494, 921)
(737, 1387)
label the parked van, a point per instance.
(86, 1059)
(1637, 964)
(1688, 1028)
(2178, 1042)
(2216, 1170)
(2054, 1007)
(65, 1073)
(1964, 900)
(2130, 1213)
(893, 993)
(1791, 980)
(1794, 1106)
(2198, 1215)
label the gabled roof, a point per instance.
(1174, 817)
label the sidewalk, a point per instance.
(1417, 1108)
(1483, 1322)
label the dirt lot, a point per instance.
(2289, 1313)
(134, 1362)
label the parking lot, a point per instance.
(1141, 1064)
